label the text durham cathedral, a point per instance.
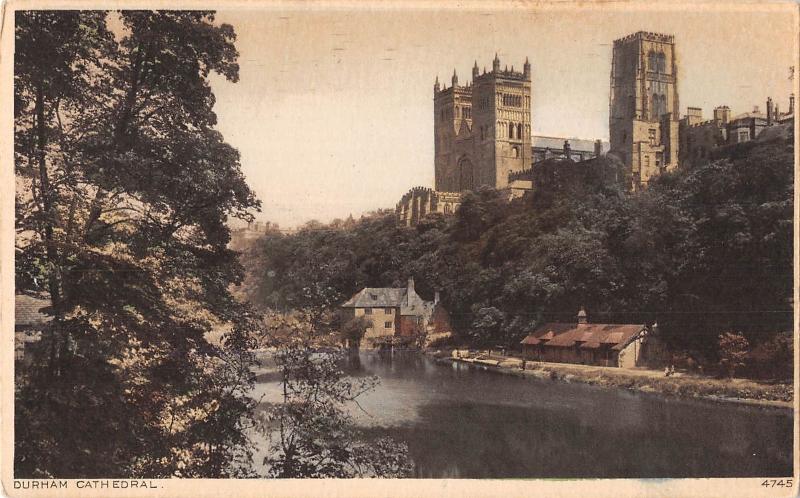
(483, 128)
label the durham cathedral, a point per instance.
(483, 129)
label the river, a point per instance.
(463, 422)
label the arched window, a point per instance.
(515, 152)
(519, 130)
(465, 178)
(659, 106)
(652, 64)
(510, 130)
(662, 62)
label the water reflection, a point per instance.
(460, 422)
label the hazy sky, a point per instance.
(333, 113)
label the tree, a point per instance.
(733, 351)
(126, 188)
(311, 432)
(353, 331)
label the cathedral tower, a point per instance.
(452, 108)
(643, 114)
(483, 130)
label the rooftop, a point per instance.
(587, 335)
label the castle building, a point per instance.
(699, 138)
(643, 114)
(482, 130)
(421, 201)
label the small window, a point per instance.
(651, 135)
(387, 325)
(374, 297)
(515, 152)
(510, 130)
(368, 311)
(388, 311)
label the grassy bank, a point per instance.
(683, 385)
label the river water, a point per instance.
(464, 422)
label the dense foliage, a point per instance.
(124, 189)
(311, 432)
(701, 251)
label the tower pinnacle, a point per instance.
(436, 85)
(475, 70)
(496, 63)
(455, 78)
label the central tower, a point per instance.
(643, 114)
(483, 129)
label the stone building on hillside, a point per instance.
(482, 130)
(397, 312)
(699, 137)
(643, 114)
(483, 137)
(610, 345)
(420, 202)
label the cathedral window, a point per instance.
(662, 62)
(519, 130)
(510, 130)
(651, 61)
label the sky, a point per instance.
(333, 112)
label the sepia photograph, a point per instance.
(442, 249)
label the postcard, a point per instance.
(399, 249)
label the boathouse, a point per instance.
(604, 344)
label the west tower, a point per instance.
(643, 113)
(482, 130)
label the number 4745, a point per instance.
(777, 483)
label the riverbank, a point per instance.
(684, 385)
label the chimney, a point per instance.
(722, 114)
(436, 297)
(770, 115)
(409, 290)
(582, 316)
(567, 149)
(755, 109)
(598, 148)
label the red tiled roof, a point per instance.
(588, 335)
